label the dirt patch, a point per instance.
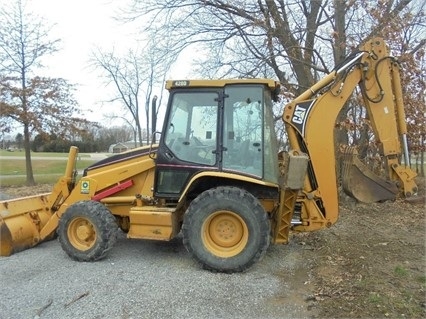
(370, 264)
(22, 191)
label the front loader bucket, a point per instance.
(21, 221)
(361, 183)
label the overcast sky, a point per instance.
(82, 25)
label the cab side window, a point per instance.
(192, 125)
(242, 130)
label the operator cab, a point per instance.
(217, 126)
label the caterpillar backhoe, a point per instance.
(216, 176)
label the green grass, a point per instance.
(21, 153)
(400, 271)
(375, 298)
(46, 171)
(45, 166)
(421, 279)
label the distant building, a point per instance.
(121, 147)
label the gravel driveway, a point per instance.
(148, 279)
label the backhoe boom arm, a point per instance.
(310, 121)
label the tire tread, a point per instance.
(105, 222)
(216, 194)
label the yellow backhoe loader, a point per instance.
(216, 176)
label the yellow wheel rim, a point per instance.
(224, 234)
(81, 233)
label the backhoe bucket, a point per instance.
(361, 183)
(21, 221)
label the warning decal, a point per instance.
(85, 187)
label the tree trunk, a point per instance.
(339, 49)
(28, 165)
(27, 147)
(135, 137)
(153, 118)
(422, 158)
(301, 70)
(139, 129)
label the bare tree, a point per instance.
(135, 76)
(36, 103)
(127, 76)
(296, 41)
(115, 133)
(129, 124)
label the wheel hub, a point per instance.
(84, 232)
(225, 233)
(81, 233)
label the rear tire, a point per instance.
(226, 230)
(87, 231)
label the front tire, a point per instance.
(87, 231)
(226, 229)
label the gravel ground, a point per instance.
(148, 279)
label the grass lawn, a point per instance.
(46, 170)
(40, 167)
(43, 154)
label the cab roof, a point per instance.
(170, 84)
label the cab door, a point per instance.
(243, 130)
(189, 141)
